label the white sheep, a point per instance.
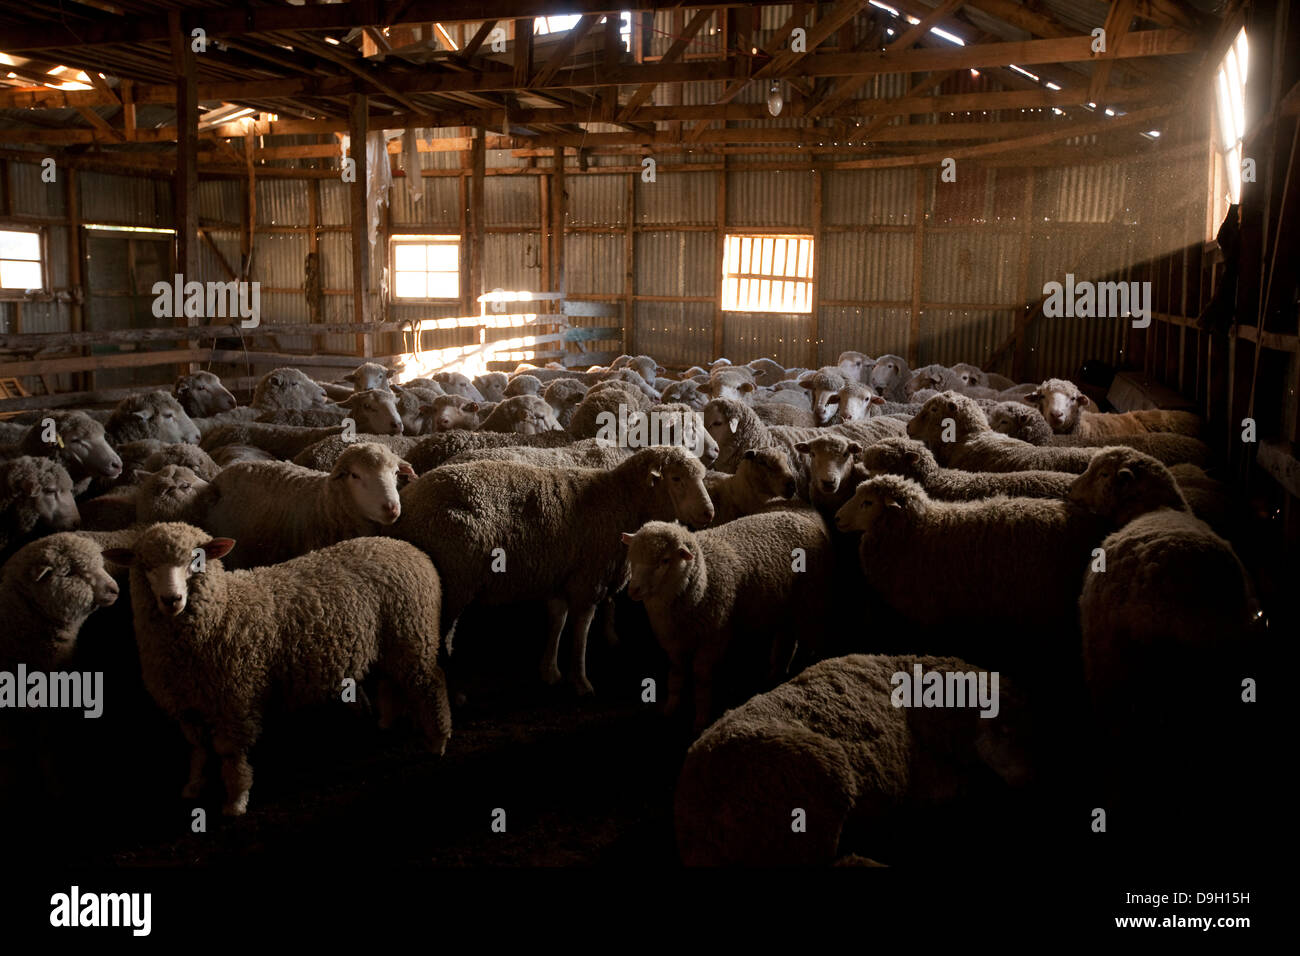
(766, 372)
(287, 388)
(201, 394)
(956, 430)
(215, 645)
(889, 376)
(1066, 409)
(911, 459)
(492, 385)
(526, 414)
(373, 412)
(748, 591)
(824, 386)
(762, 479)
(855, 366)
(35, 498)
(150, 415)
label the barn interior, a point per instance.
(412, 185)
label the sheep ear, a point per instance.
(746, 387)
(470, 407)
(428, 409)
(1082, 399)
(801, 448)
(876, 400)
(404, 468)
(217, 548)
(627, 538)
(143, 414)
(749, 455)
(350, 377)
(40, 572)
(1033, 398)
(123, 556)
(659, 370)
(733, 424)
(952, 406)
(1125, 474)
(912, 456)
(655, 476)
(685, 554)
(854, 448)
(396, 389)
(892, 503)
(807, 385)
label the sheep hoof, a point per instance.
(237, 807)
(438, 745)
(551, 674)
(583, 686)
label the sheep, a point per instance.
(855, 366)
(693, 372)
(76, 442)
(1020, 421)
(646, 367)
(834, 742)
(280, 510)
(824, 385)
(955, 429)
(1166, 447)
(215, 645)
(1207, 497)
(1065, 409)
(244, 413)
(47, 590)
(374, 412)
(911, 459)
(467, 516)
(620, 362)
(564, 396)
(287, 388)
(169, 494)
(763, 478)
(909, 540)
(282, 441)
(456, 383)
(492, 385)
(932, 377)
(202, 394)
(411, 403)
(600, 402)
(766, 372)
(323, 455)
(833, 470)
(449, 412)
(191, 456)
(524, 385)
(229, 454)
(855, 402)
(1171, 608)
(35, 497)
(150, 415)
(781, 413)
(587, 453)
(752, 590)
(969, 377)
(888, 377)
(730, 383)
(370, 376)
(526, 414)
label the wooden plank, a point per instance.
(592, 333)
(81, 363)
(1118, 20)
(1020, 358)
(814, 343)
(523, 54)
(559, 209)
(358, 109)
(629, 265)
(563, 50)
(671, 55)
(480, 37)
(592, 310)
(478, 240)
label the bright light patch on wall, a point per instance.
(92, 225)
(767, 274)
(1230, 109)
(543, 25)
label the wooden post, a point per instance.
(314, 295)
(1020, 357)
(918, 252)
(629, 267)
(84, 380)
(478, 160)
(720, 253)
(544, 230)
(814, 346)
(185, 185)
(358, 122)
(558, 212)
(467, 304)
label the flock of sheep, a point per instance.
(829, 529)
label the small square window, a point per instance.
(426, 267)
(21, 263)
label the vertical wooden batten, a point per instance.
(814, 346)
(720, 253)
(918, 254)
(358, 126)
(185, 184)
(629, 267)
(478, 164)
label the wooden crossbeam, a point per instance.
(1117, 23)
(523, 53)
(673, 53)
(478, 39)
(563, 50)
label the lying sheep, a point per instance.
(282, 441)
(524, 384)
(763, 478)
(374, 412)
(781, 413)
(1163, 624)
(888, 377)
(831, 743)
(287, 388)
(244, 413)
(1065, 409)
(216, 646)
(1020, 421)
(909, 539)
(911, 459)
(766, 372)
(35, 498)
(933, 377)
(526, 414)
(647, 368)
(202, 394)
(687, 392)
(411, 404)
(150, 415)
(955, 429)
(278, 510)
(749, 592)
(492, 385)
(855, 366)
(567, 553)
(970, 377)
(76, 442)
(47, 590)
(564, 395)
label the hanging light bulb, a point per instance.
(774, 99)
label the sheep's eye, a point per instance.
(184, 487)
(50, 491)
(354, 475)
(63, 572)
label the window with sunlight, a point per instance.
(1230, 112)
(767, 274)
(426, 267)
(21, 265)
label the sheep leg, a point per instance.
(578, 673)
(435, 710)
(198, 761)
(558, 609)
(236, 774)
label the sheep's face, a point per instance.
(532, 415)
(166, 494)
(523, 385)
(375, 412)
(660, 560)
(682, 476)
(721, 423)
(166, 419)
(766, 372)
(855, 403)
(927, 425)
(768, 470)
(168, 561)
(492, 386)
(202, 394)
(887, 372)
(84, 443)
(832, 461)
(449, 412)
(369, 376)
(289, 388)
(825, 393)
(369, 473)
(729, 386)
(969, 376)
(1121, 481)
(855, 366)
(64, 576)
(646, 367)
(1008, 421)
(687, 392)
(455, 383)
(48, 492)
(1060, 403)
(921, 379)
(908, 459)
(868, 506)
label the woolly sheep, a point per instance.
(975, 447)
(1166, 447)
(279, 510)
(323, 455)
(47, 590)
(563, 395)
(428, 453)
(911, 459)
(526, 414)
(888, 377)
(457, 383)
(766, 372)
(374, 412)
(216, 645)
(646, 367)
(169, 494)
(35, 497)
(566, 553)
(287, 388)
(151, 415)
(1065, 409)
(763, 477)
(780, 413)
(1172, 607)
(833, 470)
(450, 412)
(831, 742)
(824, 386)
(282, 441)
(855, 402)
(742, 590)
(492, 385)
(621, 362)
(587, 453)
(855, 366)
(229, 454)
(411, 407)
(729, 383)
(932, 377)
(191, 456)
(244, 413)
(693, 371)
(76, 442)
(1207, 497)
(601, 401)
(1020, 421)
(909, 540)
(524, 385)
(202, 394)
(369, 376)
